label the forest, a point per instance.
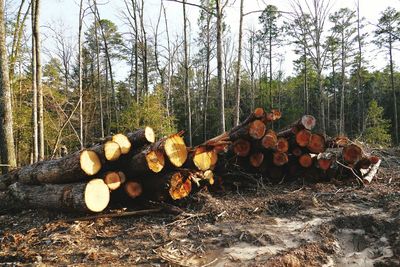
(62, 97)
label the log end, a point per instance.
(155, 160)
(257, 129)
(90, 162)
(112, 180)
(175, 149)
(316, 144)
(308, 121)
(282, 145)
(149, 134)
(280, 159)
(97, 195)
(241, 147)
(269, 140)
(112, 150)
(133, 189)
(179, 188)
(123, 142)
(256, 159)
(202, 159)
(259, 113)
(303, 137)
(352, 153)
(305, 160)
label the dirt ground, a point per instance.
(321, 224)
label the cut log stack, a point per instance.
(125, 167)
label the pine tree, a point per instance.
(377, 131)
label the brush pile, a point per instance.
(132, 166)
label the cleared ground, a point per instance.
(285, 225)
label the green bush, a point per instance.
(377, 130)
(150, 112)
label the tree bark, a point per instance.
(36, 32)
(88, 197)
(238, 70)
(7, 151)
(396, 126)
(80, 74)
(35, 131)
(220, 86)
(186, 66)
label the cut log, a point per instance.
(149, 160)
(280, 158)
(352, 153)
(112, 151)
(133, 189)
(303, 137)
(141, 137)
(113, 179)
(63, 170)
(305, 122)
(305, 160)
(325, 160)
(371, 174)
(272, 116)
(269, 140)
(93, 196)
(123, 142)
(94, 158)
(203, 158)
(242, 130)
(316, 144)
(175, 149)
(282, 145)
(257, 129)
(180, 187)
(241, 147)
(90, 162)
(374, 159)
(256, 159)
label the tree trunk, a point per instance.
(7, 151)
(342, 92)
(220, 86)
(186, 66)
(99, 86)
(80, 73)
(207, 79)
(35, 149)
(145, 65)
(396, 127)
(39, 80)
(109, 65)
(238, 70)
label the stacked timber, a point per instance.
(127, 167)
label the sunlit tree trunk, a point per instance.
(7, 151)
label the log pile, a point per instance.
(136, 166)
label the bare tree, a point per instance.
(238, 69)
(186, 76)
(220, 86)
(35, 149)
(108, 62)
(318, 12)
(81, 14)
(17, 37)
(7, 151)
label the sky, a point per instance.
(65, 13)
